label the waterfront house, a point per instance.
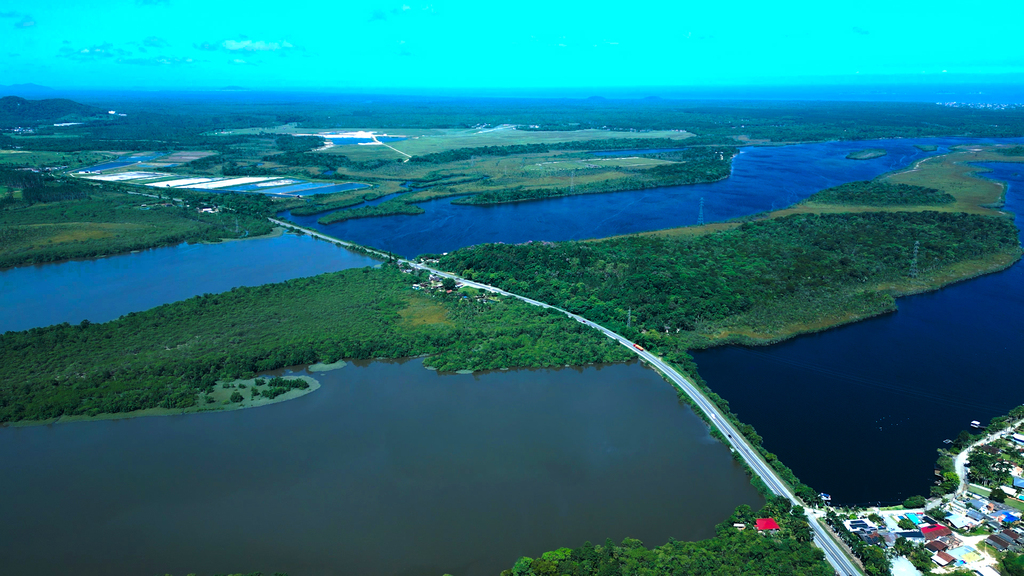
(767, 524)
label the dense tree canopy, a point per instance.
(165, 356)
(766, 273)
(732, 552)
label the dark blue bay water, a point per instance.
(762, 179)
(859, 411)
(105, 288)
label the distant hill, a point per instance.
(26, 90)
(17, 111)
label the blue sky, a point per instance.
(457, 44)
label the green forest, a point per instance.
(388, 208)
(731, 552)
(881, 193)
(763, 275)
(166, 356)
(58, 220)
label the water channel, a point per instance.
(387, 469)
(103, 289)
(762, 179)
(859, 411)
(391, 469)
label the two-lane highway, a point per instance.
(834, 552)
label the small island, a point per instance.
(926, 147)
(869, 154)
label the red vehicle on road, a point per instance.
(638, 347)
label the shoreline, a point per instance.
(214, 408)
(982, 267)
(276, 232)
(999, 263)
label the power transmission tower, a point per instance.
(913, 261)
(572, 182)
(700, 214)
(629, 318)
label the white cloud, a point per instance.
(255, 46)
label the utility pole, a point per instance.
(913, 261)
(700, 213)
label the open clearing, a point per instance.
(559, 165)
(420, 142)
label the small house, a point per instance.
(1013, 535)
(935, 532)
(767, 524)
(936, 546)
(998, 542)
(942, 558)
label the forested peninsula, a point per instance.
(166, 357)
(761, 281)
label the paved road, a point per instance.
(960, 462)
(834, 553)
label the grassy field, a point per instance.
(43, 159)
(951, 173)
(591, 163)
(107, 223)
(421, 142)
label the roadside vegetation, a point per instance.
(761, 281)
(166, 357)
(732, 551)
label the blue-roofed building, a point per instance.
(1018, 482)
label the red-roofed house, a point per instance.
(767, 524)
(933, 532)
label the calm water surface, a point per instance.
(387, 469)
(105, 288)
(762, 179)
(859, 411)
